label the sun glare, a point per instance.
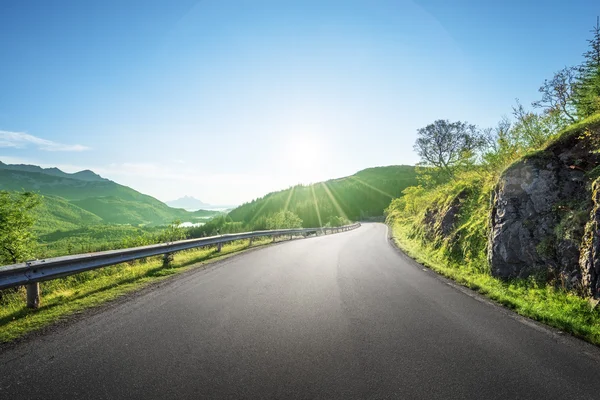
(304, 155)
(304, 148)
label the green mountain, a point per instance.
(85, 175)
(55, 213)
(85, 198)
(362, 195)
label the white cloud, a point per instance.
(21, 139)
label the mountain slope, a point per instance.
(115, 210)
(85, 175)
(70, 188)
(84, 198)
(364, 194)
(55, 213)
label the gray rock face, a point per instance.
(590, 252)
(440, 223)
(451, 214)
(523, 219)
(535, 221)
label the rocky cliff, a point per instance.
(546, 213)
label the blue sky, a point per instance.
(228, 100)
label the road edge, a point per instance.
(562, 337)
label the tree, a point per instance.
(173, 232)
(587, 90)
(531, 130)
(500, 149)
(335, 221)
(17, 240)
(494, 138)
(284, 220)
(444, 146)
(558, 94)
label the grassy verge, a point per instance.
(552, 306)
(73, 294)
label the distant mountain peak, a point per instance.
(85, 175)
(189, 203)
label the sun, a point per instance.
(303, 156)
(304, 148)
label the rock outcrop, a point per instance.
(540, 209)
(590, 249)
(441, 222)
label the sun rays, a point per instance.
(334, 201)
(316, 203)
(355, 178)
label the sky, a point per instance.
(229, 100)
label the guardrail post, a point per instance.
(219, 246)
(33, 295)
(250, 241)
(167, 259)
(273, 241)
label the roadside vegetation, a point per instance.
(444, 221)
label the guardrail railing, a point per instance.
(31, 273)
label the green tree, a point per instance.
(172, 232)
(446, 146)
(558, 95)
(587, 92)
(530, 130)
(335, 221)
(283, 220)
(17, 241)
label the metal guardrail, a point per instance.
(32, 272)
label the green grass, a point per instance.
(61, 298)
(576, 129)
(552, 306)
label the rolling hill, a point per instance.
(362, 195)
(85, 198)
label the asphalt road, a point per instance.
(343, 316)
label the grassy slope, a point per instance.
(363, 194)
(462, 255)
(55, 213)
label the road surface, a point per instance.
(342, 316)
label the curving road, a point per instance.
(342, 316)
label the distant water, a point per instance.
(190, 224)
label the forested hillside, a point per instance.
(364, 194)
